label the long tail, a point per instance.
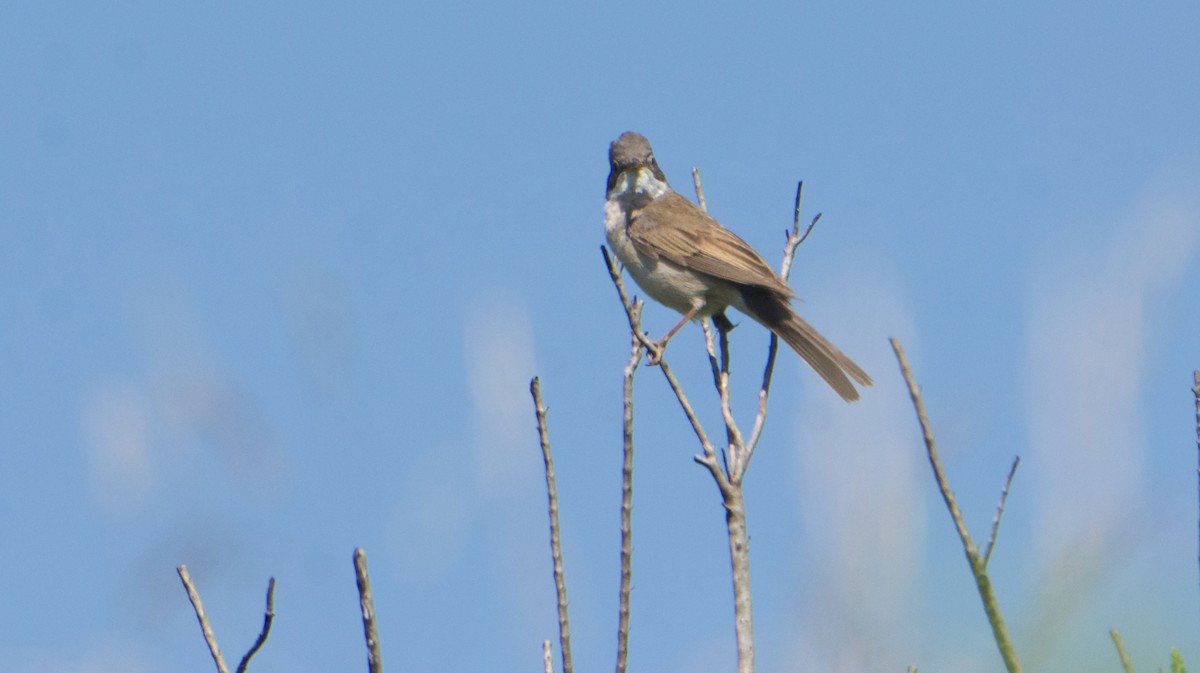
(774, 312)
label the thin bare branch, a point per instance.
(1196, 393)
(202, 617)
(987, 593)
(720, 371)
(794, 240)
(635, 356)
(1126, 662)
(367, 604)
(991, 543)
(728, 477)
(546, 658)
(764, 393)
(633, 313)
(560, 584)
(632, 307)
(268, 617)
(709, 459)
(739, 556)
(931, 450)
(699, 190)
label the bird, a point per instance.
(686, 260)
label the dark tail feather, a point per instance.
(774, 312)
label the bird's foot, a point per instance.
(654, 352)
(723, 323)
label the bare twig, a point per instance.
(547, 660)
(1126, 663)
(367, 603)
(268, 617)
(635, 356)
(978, 565)
(931, 449)
(739, 556)
(560, 585)
(633, 313)
(794, 240)
(912, 668)
(720, 372)
(764, 393)
(991, 543)
(728, 477)
(206, 627)
(632, 307)
(1196, 393)
(202, 617)
(699, 190)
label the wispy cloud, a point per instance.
(859, 490)
(116, 431)
(499, 342)
(435, 511)
(1088, 335)
(106, 657)
(499, 361)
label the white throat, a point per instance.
(639, 182)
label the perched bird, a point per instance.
(686, 260)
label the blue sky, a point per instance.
(275, 278)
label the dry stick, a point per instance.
(1196, 392)
(635, 356)
(367, 603)
(635, 325)
(720, 372)
(728, 480)
(740, 452)
(731, 495)
(266, 629)
(720, 368)
(991, 543)
(633, 313)
(739, 555)
(730, 485)
(546, 658)
(978, 567)
(794, 240)
(205, 627)
(560, 584)
(1126, 663)
(633, 308)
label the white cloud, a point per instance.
(499, 346)
(106, 657)
(430, 524)
(499, 359)
(860, 486)
(116, 432)
(1088, 332)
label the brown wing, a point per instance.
(697, 241)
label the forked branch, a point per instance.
(977, 561)
(206, 628)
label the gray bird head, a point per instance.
(631, 151)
